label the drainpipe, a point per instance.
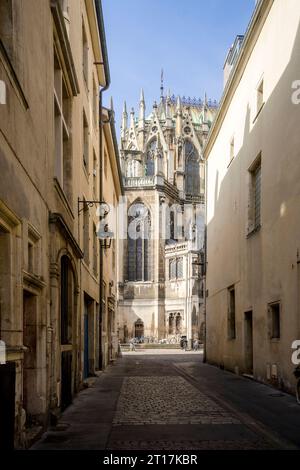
(205, 260)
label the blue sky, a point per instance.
(189, 39)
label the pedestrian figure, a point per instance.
(183, 342)
(132, 345)
(196, 345)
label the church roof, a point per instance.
(194, 105)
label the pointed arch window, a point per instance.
(139, 224)
(192, 169)
(150, 154)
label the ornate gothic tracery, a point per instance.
(150, 156)
(192, 169)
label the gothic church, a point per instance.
(161, 297)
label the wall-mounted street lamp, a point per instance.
(105, 236)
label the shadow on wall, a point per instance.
(252, 262)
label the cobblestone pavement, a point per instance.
(174, 402)
(241, 444)
(166, 400)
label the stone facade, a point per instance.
(53, 61)
(253, 204)
(111, 257)
(164, 173)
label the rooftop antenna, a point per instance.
(162, 84)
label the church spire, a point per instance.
(168, 110)
(178, 106)
(178, 117)
(142, 97)
(142, 109)
(141, 126)
(132, 118)
(162, 84)
(124, 121)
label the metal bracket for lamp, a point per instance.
(104, 207)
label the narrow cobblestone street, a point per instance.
(172, 402)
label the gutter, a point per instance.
(101, 29)
(116, 148)
(99, 12)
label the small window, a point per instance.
(257, 195)
(260, 97)
(30, 258)
(274, 313)
(231, 313)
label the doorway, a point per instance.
(139, 329)
(7, 405)
(86, 342)
(66, 331)
(30, 356)
(249, 342)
